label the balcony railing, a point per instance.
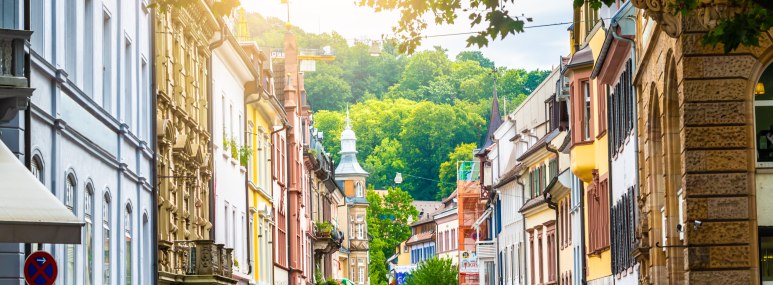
(328, 237)
(199, 257)
(12, 71)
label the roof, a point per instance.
(533, 202)
(420, 237)
(495, 120)
(356, 200)
(349, 166)
(539, 144)
(29, 212)
(582, 57)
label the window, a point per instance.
(107, 63)
(623, 231)
(71, 39)
(88, 45)
(106, 239)
(763, 119)
(361, 273)
(358, 190)
(586, 112)
(128, 115)
(38, 25)
(601, 109)
(598, 209)
(69, 249)
(36, 167)
(622, 101)
(127, 233)
(88, 236)
(551, 251)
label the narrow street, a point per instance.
(386, 142)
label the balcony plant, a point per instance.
(226, 141)
(234, 149)
(244, 155)
(324, 228)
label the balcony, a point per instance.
(195, 262)
(14, 85)
(327, 238)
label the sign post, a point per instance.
(40, 269)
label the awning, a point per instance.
(29, 213)
(482, 217)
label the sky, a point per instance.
(535, 48)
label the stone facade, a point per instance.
(697, 141)
(183, 36)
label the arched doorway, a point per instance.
(763, 136)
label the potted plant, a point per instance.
(244, 155)
(234, 149)
(324, 228)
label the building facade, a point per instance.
(264, 114)
(351, 178)
(704, 121)
(232, 73)
(87, 135)
(614, 71)
(184, 132)
(447, 221)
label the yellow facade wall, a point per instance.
(258, 130)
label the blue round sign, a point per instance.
(40, 269)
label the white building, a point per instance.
(447, 233)
(232, 72)
(92, 136)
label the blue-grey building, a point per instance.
(87, 133)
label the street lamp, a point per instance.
(399, 178)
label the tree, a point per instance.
(384, 162)
(752, 18)
(434, 271)
(326, 92)
(447, 176)
(475, 56)
(388, 218)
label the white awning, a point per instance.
(482, 217)
(29, 213)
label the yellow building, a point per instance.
(589, 158)
(264, 114)
(183, 36)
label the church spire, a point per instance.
(495, 120)
(349, 164)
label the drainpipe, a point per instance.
(154, 138)
(284, 127)
(552, 205)
(250, 232)
(523, 224)
(582, 230)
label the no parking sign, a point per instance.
(40, 269)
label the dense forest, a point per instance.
(415, 114)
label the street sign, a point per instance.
(40, 269)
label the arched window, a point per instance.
(88, 245)
(36, 167)
(127, 233)
(358, 190)
(763, 110)
(69, 249)
(106, 238)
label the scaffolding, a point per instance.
(471, 207)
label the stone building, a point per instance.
(351, 178)
(87, 135)
(705, 166)
(184, 146)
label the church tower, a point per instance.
(351, 178)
